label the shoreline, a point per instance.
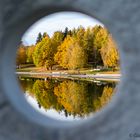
(101, 77)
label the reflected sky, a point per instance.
(67, 100)
(49, 113)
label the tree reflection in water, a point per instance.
(73, 97)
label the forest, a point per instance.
(71, 50)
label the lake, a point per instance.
(64, 99)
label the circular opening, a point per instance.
(71, 80)
(67, 65)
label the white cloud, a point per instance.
(58, 21)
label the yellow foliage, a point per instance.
(21, 55)
(70, 55)
(109, 53)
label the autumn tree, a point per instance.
(45, 35)
(78, 57)
(80, 35)
(63, 53)
(70, 55)
(29, 53)
(100, 40)
(37, 55)
(74, 98)
(44, 93)
(58, 37)
(88, 44)
(43, 55)
(21, 55)
(109, 54)
(73, 49)
(107, 95)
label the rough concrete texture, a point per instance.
(121, 118)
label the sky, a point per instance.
(57, 22)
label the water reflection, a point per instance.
(70, 99)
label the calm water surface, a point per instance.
(67, 99)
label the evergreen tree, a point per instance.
(66, 31)
(39, 38)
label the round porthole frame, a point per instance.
(10, 84)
